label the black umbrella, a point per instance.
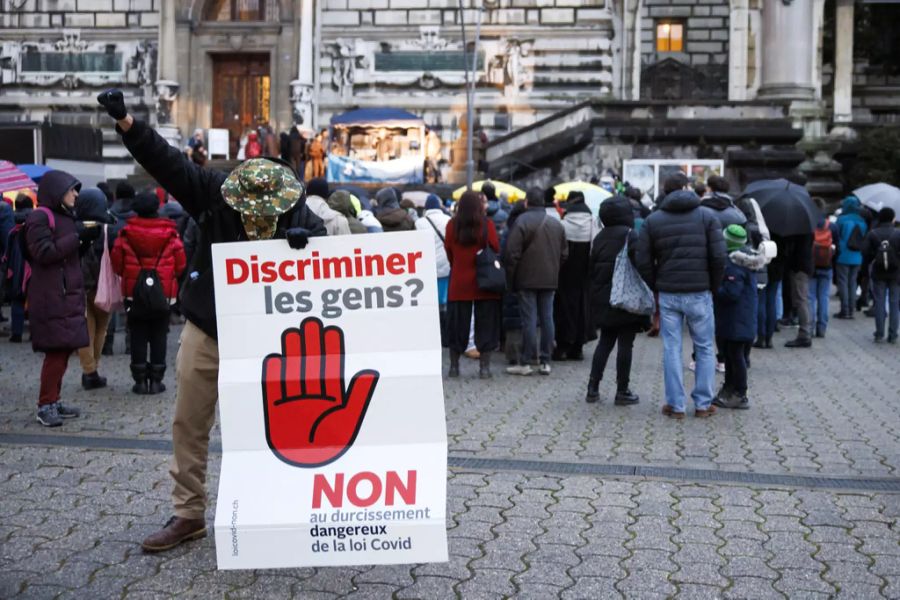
(787, 207)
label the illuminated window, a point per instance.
(669, 36)
(235, 10)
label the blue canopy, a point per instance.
(36, 172)
(375, 116)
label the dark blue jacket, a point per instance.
(735, 302)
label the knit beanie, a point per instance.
(433, 202)
(735, 237)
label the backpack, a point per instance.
(148, 300)
(823, 250)
(856, 239)
(15, 266)
(886, 259)
(17, 260)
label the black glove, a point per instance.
(87, 234)
(297, 237)
(114, 102)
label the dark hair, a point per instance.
(489, 191)
(634, 193)
(124, 190)
(717, 183)
(820, 203)
(886, 215)
(469, 218)
(534, 196)
(675, 182)
(699, 188)
(23, 201)
(104, 187)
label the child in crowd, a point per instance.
(735, 311)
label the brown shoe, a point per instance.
(176, 531)
(705, 414)
(670, 412)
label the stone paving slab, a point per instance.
(72, 519)
(831, 410)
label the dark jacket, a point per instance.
(198, 190)
(535, 250)
(121, 210)
(799, 254)
(724, 210)
(91, 206)
(56, 300)
(617, 215)
(735, 302)
(681, 249)
(7, 222)
(880, 233)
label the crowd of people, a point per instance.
(537, 279)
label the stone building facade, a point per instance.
(187, 64)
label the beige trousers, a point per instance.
(197, 391)
(97, 322)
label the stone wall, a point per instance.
(55, 55)
(535, 57)
(703, 63)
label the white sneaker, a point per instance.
(544, 369)
(692, 366)
(519, 370)
(720, 367)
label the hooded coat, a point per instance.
(680, 248)
(571, 305)
(736, 300)
(617, 216)
(434, 221)
(91, 206)
(335, 222)
(149, 243)
(56, 301)
(724, 209)
(389, 213)
(850, 218)
(199, 191)
(340, 202)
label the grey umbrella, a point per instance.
(879, 195)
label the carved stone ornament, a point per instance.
(132, 63)
(167, 94)
(301, 102)
(348, 55)
(514, 67)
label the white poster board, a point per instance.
(648, 174)
(218, 142)
(334, 441)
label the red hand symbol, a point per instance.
(311, 420)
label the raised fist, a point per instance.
(311, 417)
(113, 100)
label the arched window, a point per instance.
(235, 10)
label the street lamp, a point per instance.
(470, 88)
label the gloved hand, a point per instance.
(297, 237)
(87, 234)
(114, 102)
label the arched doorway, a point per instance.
(241, 94)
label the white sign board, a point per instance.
(218, 142)
(334, 440)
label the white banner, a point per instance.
(334, 441)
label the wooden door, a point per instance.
(241, 94)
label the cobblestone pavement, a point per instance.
(819, 519)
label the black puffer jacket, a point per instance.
(617, 216)
(681, 249)
(199, 191)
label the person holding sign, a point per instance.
(261, 199)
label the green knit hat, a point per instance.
(735, 237)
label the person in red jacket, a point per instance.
(467, 233)
(148, 242)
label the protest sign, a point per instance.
(334, 441)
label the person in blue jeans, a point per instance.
(851, 228)
(882, 255)
(820, 282)
(681, 255)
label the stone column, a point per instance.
(788, 50)
(302, 87)
(166, 69)
(843, 63)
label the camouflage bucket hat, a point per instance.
(261, 190)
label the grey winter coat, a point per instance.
(535, 250)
